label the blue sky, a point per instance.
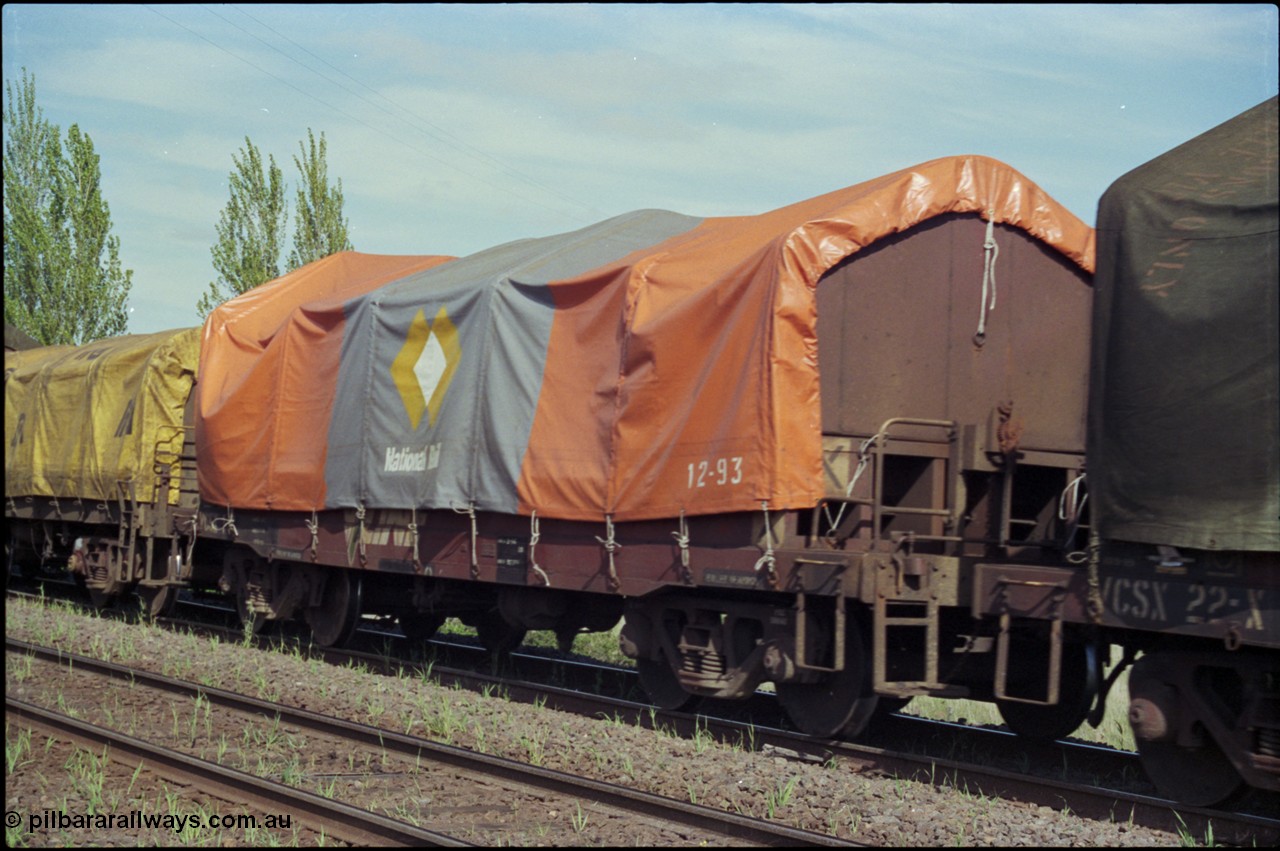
(455, 127)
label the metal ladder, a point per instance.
(905, 597)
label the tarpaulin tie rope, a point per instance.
(682, 541)
(611, 546)
(991, 252)
(364, 558)
(192, 526)
(1070, 507)
(535, 532)
(863, 457)
(227, 523)
(768, 560)
(470, 511)
(413, 537)
(313, 526)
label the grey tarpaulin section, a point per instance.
(1184, 438)
(446, 426)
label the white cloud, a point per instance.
(457, 127)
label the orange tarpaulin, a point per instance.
(714, 402)
(268, 359)
(649, 365)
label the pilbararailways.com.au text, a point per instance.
(47, 820)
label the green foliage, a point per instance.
(321, 230)
(63, 280)
(250, 230)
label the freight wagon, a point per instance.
(839, 447)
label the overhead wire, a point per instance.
(416, 148)
(433, 130)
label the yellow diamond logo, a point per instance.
(425, 366)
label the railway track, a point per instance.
(641, 812)
(322, 815)
(910, 747)
(1084, 799)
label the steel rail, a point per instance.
(740, 828)
(1084, 800)
(343, 821)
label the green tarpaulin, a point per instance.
(1184, 423)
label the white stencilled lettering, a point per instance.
(411, 460)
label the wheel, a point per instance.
(1200, 777)
(1159, 706)
(842, 703)
(420, 626)
(498, 636)
(334, 621)
(158, 601)
(1079, 688)
(663, 687)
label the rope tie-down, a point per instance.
(1070, 508)
(611, 546)
(864, 456)
(313, 526)
(413, 538)
(768, 560)
(682, 541)
(535, 533)
(360, 543)
(228, 523)
(991, 252)
(470, 511)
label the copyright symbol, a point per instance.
(12, 819)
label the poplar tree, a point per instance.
(320, 230)
(63, 279)
(250, 230)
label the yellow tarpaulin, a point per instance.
(83, 421)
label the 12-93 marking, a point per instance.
(715, 472)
